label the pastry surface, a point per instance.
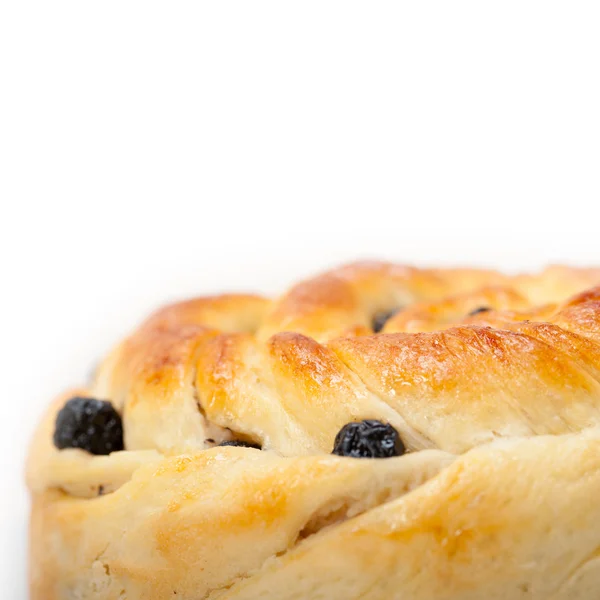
(491, 381)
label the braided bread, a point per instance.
(481, 390)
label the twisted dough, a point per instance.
(506, 518)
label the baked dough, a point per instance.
(492, 381)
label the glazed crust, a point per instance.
(499, 409)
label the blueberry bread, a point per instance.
(378, 432)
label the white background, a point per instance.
(150, 151)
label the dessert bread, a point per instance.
(378, 432)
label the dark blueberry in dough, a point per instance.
(240, 443)
(368, 439)
(381, 318)
(479, 310)
(90, 424)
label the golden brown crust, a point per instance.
(513, 520)
(178, 516)
(195, 523)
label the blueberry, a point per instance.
(368, 439)
(90, 424)
(479, 310)
(240, 444)
(381, 318)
